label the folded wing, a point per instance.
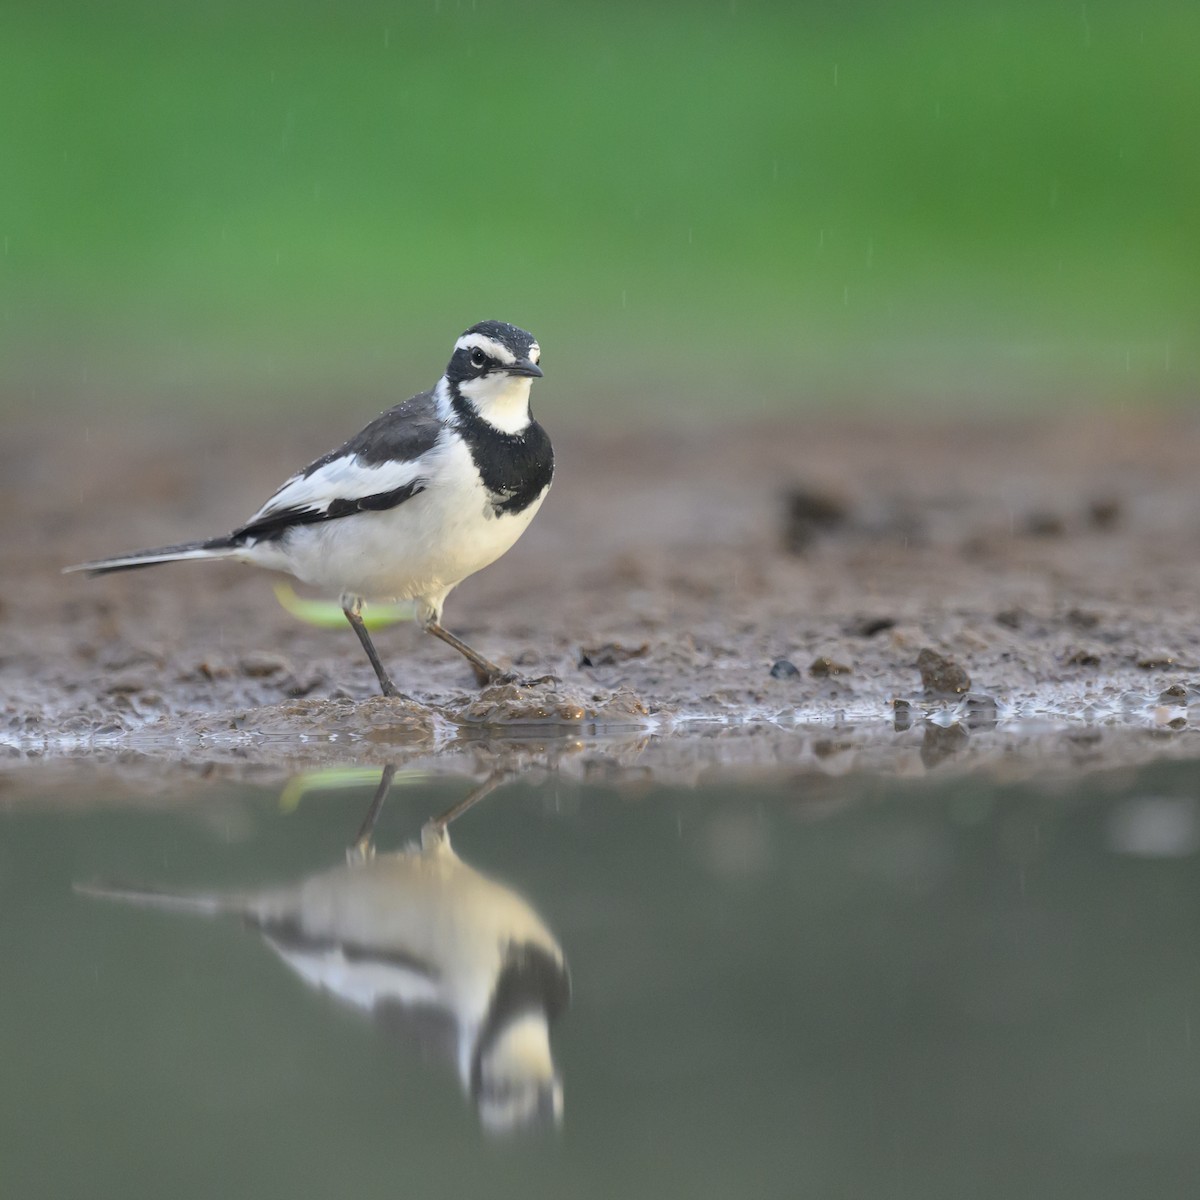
(377, 469)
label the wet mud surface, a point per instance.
(825, 595)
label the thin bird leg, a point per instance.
(485, 670)
(352, 607)
(361, 850)
(435, 828)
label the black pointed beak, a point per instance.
(525, 366)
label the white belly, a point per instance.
(418, 550)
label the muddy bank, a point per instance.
(784, 578)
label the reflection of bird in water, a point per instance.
(429, 946)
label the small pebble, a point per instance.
(1082, 619)
(1010, 618)
(982, 710)
(782, 669)
(1155, 659)
(262, 665)
(870, 626)
(1104, 512)
(810, 512)
(941, 675)
(824, 667)
(610, 654)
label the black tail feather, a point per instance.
(156, 556)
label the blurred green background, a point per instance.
(694, 206)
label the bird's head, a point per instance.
(517, 1087)
(492, 368)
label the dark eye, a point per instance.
(478, 358)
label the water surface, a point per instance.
(855, 987)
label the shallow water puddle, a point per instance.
(787, 984)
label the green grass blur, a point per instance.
(693, 205)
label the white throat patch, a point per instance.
(501, 400)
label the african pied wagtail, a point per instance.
(428, 493)
(431, 949)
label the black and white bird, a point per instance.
(429, 948)
(431, 491)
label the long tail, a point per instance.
(218, 547)
(209, 904)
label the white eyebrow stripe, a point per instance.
(490, 347)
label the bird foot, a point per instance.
(361, 853)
